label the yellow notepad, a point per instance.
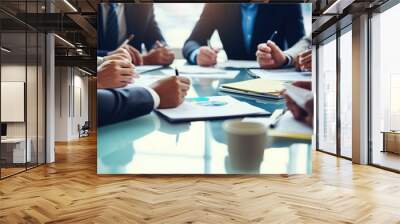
(258, 86)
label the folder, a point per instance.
(256, 87)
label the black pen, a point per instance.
(273, 35)
(176, 72)
(275, 117)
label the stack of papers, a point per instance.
(213, 107)
(287, 127)
(238, 64)
(256, 87)
(281, 74)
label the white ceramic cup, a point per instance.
(246, 143)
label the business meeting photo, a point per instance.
(204, 88)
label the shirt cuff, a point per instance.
(100, 60)
(289, 60)
(156, 97)
(193, 56)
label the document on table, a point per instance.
(238, 64)
(281, 74)
(213, 107)
(203, 72)
(147, 68)
(146, 80)
(287, 127)
(255, 87)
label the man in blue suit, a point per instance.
(242, 27)
(115, 104)
(117, 21)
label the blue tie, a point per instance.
(112, 31)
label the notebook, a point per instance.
(209, 108)
(256, 87)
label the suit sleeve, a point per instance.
(115, 105)
(299, 47)
(153, 32)
(202, 31)
(102, 53)
(294, 25)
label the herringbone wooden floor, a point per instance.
(69, 191)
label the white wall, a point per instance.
(71, 93)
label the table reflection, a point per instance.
(152, 145)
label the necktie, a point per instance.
(112, 31)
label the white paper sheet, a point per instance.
(203, 108)
(202, 72)
(286, 124)
(146, 68)
(145, 80)
(238, 64)
(282, 74)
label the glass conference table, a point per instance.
(152, 145)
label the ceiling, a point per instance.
(75, 22)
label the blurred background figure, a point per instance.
(117, 22)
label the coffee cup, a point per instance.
(246, 142)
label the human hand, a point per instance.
(160, 55)
(119, 54)
(115, 74)
(304, 60)
(270, 56)
(207, 56)
(171, 90)
(136, 57)
(305, 115)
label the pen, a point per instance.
(127, 40)
(209, 45)
(176, 72)
(273, 35)
(275, 117)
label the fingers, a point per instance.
(303, 84)
(206, 56)
(135, 55)
(304, 59)
(298, 113)
(306, 53)
(184, 80)
(127, 79)
(263, 55)
(264, 48)
(158, 44)
(273, 46)
(208, 52)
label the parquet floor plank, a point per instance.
(70, 191)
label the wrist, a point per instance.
(146, 59)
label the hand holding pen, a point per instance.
(135, 56)
(207, 55)
(269, 55)
(160, 54)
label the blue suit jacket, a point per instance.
(115, 105)
(227, 20)
(140, 21)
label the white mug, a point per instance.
(246, 143)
